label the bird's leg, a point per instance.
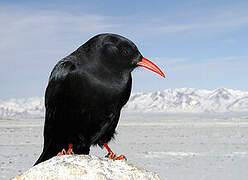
(112, 155)
(69, 151)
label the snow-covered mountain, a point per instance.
(22, 108)
(189, 100)
(180, 100)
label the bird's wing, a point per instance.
(59, 81)
(126, 93)
(57, 98)
(62, 68)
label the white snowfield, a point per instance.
(181, 100)
(85, 167)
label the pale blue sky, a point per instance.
(200, 44)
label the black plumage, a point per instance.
(86, 92)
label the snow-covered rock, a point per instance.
(179, 100)
(86, 167)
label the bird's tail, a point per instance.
(49, 151)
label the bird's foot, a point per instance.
(121, 157)
(68, 152)
(63, 152)
(113, 156)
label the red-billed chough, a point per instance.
(85, 95)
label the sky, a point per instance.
(197, 43)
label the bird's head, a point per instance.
(119, 53)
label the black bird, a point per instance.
(86, 92)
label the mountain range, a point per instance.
(178, 100)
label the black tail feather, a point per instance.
(49, 151)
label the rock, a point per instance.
(86, 167)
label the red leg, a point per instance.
(111, 155)
(107, 147)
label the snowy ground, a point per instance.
(177, 148)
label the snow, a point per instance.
(86, 167)
(179, 100)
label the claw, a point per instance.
(68, 152)
(121, 157)
(111, 155)
(63, 152)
